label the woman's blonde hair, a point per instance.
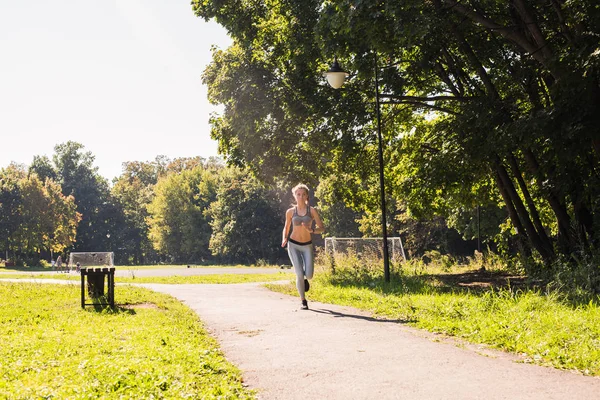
(304, 187)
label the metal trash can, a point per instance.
(95, 286)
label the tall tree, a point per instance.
(61, 218)
(179, 225)
(11, 207)
(79, 177)
(35, 216)
(134, 191)
(509, 92)
(246, 219)
(43, 168)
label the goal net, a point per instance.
(365, 247)
(92, 259)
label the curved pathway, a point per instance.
(335, 352)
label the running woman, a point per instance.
(299, 219)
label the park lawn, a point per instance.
(20, 270)
(212, 278)
(541, 328)
(150, 346)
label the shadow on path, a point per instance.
(338, 314)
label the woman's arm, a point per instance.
(286, 227)
(319, 227)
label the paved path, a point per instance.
(334, 352)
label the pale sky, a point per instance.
(122, 77)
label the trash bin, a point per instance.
(95, 285)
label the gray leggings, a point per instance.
(301, 256)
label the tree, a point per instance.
(337, 194)
(79, 177)
(179, 226)
(133, 191)
(61, 220)
(35, 216)
(11, 207)
(502, 94)
(43, 168)
(246, 219)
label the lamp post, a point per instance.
(336, 77)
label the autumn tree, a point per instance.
(35, 215)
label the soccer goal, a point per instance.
(92, 259)
(371, 247)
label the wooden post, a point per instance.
(82, 273)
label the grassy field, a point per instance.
(212, 278)
(154, 347)
(151, 346)
(134, 277)
(542, 328)
(35, 269)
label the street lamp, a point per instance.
(336, 77)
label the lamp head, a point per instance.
(336, 75)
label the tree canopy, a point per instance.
(490, 103)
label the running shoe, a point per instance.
(304, 305)
(306, 285)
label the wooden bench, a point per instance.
(95, 285)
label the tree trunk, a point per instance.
(596, 145)
(532, 208)
(530, 231)
(584, 218)
(533, 28)
(508, 32)
(560, 212)
(512, 212)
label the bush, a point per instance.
(578, 277)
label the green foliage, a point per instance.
(133, 191)
(246, 219)
(43, 168)
(151, 346)
(79, 177)
(541, 328)
(11, 205)
(335, 194)
(34, 214)
(485, 105)
(178, 219)
(578, 279)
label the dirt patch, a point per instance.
(250, 333)
(140, 306)
(483, 280)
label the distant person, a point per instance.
(53, 263)
(78, 267)
(299, 219)
(59, 263)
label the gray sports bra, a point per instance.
(297, 220)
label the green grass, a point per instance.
(135, 267)
(152, 346)
(212, 278)
(542, 328)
